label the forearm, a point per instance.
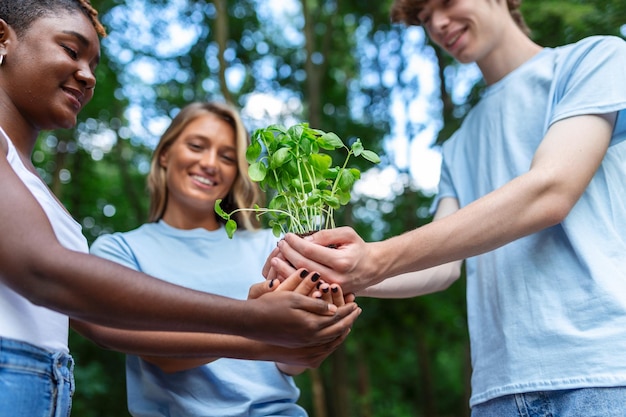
(89, 288)
(177, 351)
(413, 284)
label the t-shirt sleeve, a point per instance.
(592, 80)
(114, 248)
(445, 188)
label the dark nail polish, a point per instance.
(318, 285)
(271, 283)
(335, 289)
(315, 277)
(304, 273)
(325, 290)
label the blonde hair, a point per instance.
(244, 192)
(406, 11)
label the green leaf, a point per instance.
(280, 157)
(357, 147)
(321, 162)
(371, 156)
(230, 227)
(344, 197)
(253, 152)
(277, 230)
(329, 141)
(331, 201)
(346, 180)
(314, 198)
(219, 211)
(257, 171)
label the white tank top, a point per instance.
(19, 318)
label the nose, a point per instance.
(86, 77)
(438, 20)
(208, 161)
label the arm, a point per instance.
(561, 169)
(426, 281)
(178, 351)
(35, 265)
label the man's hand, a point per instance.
(347, 263)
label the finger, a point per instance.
(258, 289)
(325, 293)
(349, 298)
(267, 266)
(342, 325)
(337, 295)
(308, 284)
(332, 237)
(292, 282)
(302, 254)
(283, 268)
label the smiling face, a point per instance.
(469, 30)
(200, 167)
(48, 72)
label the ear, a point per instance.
(5, 36)
(163, 158)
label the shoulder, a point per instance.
(119, 242)
(608, 46)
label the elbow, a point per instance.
(555, 209)
(452, 273)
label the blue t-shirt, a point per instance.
(207, 261)
(547, 311)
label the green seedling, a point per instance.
(304, 185)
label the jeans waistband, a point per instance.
(17, 347)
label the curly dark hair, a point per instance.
(406, 11)
(20, 14)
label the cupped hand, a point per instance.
(290, 317)
(348, 263)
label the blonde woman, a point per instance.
(200, 159)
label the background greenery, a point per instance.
(339, 65)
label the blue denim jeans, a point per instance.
(584, 402)
(34, 382)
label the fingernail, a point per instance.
(271, 283)
(318, 285)
(315, 277)
(325, 290)
(304, 273)
(335, 289)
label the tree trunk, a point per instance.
(318, 394)
(221, 30)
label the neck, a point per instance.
(188, 220)
(512, 50)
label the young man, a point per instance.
(532, 196)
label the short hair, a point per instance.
(406, 11)
(244, 193)
(20, 14)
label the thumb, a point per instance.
(264, 287)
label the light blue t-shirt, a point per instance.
(206, 261)
(547, 311)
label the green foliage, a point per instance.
(307, 188)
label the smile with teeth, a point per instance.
(454, 39)
(202, 180)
